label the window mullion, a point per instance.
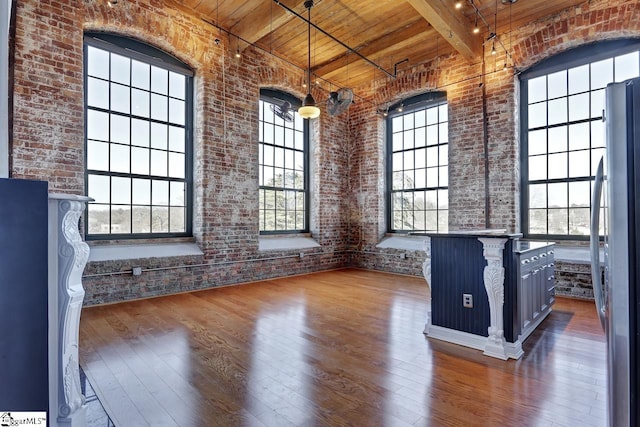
(279, 184)
(580, 74)
(113, 141)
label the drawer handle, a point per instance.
(526, 261)
(543, 255)
(551, 252)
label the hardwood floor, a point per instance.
(334, 348)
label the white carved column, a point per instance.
(494, 284)
(426, 271)
(68, 255)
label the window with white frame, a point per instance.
(138, 112)
(417, 164)
(563, 136)
(283, 165)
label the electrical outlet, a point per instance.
(467, 300)
(136, 271)
(301, 255)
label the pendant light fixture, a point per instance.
(309, 109)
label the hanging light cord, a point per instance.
(309, 4)
(331, 36)
(493, 35)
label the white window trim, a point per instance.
(116, 252)
(5, 18)
(289, 242)
(407, 243)
(574, 254)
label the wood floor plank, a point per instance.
(333, 348)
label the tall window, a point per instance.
(417, 167)
(138, 110)
(283, 163)
(563, 135)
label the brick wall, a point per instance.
(49, 143)
(347, 153)
(48, 111)
(587, 23)
(573, 279)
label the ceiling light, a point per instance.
(476, 29)
(112, 2)
(238, 55)
(309, 109)
(458, 4)
(493, 49)
(400, 108)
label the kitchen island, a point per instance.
(489, 289)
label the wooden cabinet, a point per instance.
(536, 287)
(511, 284)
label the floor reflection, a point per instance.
(409, 388)
(96, 415)
(334, 348)
(277, 388)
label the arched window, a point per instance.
(417, 164)
(138, 128)
(283, 163)
(563, 136)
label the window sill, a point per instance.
(119, 251)
(407, 243)
(286, 242)
(575, 254)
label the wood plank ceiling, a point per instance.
(389, 33)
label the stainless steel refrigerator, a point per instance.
(617, 291)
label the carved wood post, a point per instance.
(426, 271)
(68, 255)
(494, 284)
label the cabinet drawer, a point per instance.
(536, 289)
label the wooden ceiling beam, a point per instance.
(452, 26)
(265, 18)
(405, 36)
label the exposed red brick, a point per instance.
(348, 153)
